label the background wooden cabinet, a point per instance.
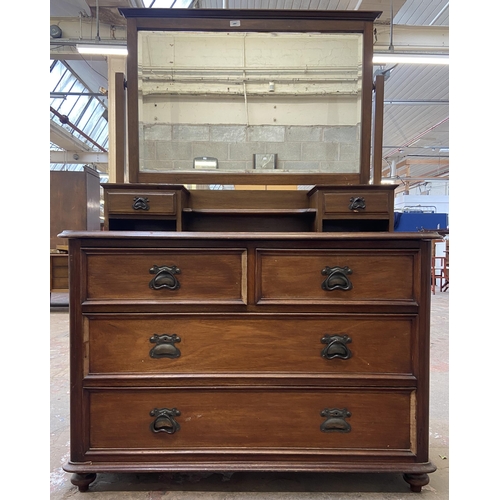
(74, 202)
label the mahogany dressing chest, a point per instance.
(241, 330)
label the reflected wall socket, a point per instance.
(265, 161)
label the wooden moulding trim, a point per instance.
(247, 178)
(252, 211)
(422, 413)
(143, 187)
(261, 381)
(124, 237)
(306, 455)
(295, 464)
(251, 25)
(146, 15)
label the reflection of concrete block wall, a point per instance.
(298, 148)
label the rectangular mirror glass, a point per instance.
(246, 102)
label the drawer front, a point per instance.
(170, 275)
(356, 203)
(141, 202)
(176, 419)
(307, 276)
(184, 344)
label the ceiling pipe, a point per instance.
(391, 45)
(393, 170)
(72, 43)
(97, 36)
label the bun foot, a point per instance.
(83, 480)
(416, 481)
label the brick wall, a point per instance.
(298, 148)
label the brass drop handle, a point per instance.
(164, 346)
(164, 277)
(336, 347)
(357, 203)
(335, 420)
(140, 203)
(336, 278)
(164, 420)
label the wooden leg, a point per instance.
(83, 480)
(416, 481)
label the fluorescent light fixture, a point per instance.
(410, 59)
(102, 49)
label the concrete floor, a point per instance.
(248, 486)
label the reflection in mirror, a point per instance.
(247, 102)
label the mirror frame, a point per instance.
(218, 20)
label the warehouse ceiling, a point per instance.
(416, 96)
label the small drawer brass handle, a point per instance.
(164, 347)
(335, 420)
(164, 277)
(336, 278)
(357, 203)
(164, 420)
(140, 203)
(336, 347)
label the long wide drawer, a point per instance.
(182, 344)
(322, 276)
(170, 275)
(179, 420)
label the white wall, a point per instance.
(250, 78)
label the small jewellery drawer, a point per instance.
(183, 344)
(319, 276)
(177, 420)
(180, 275)
(141, 202)
(356, 203)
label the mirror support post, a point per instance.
(120, 102)
(132, 101)
(378, 129)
